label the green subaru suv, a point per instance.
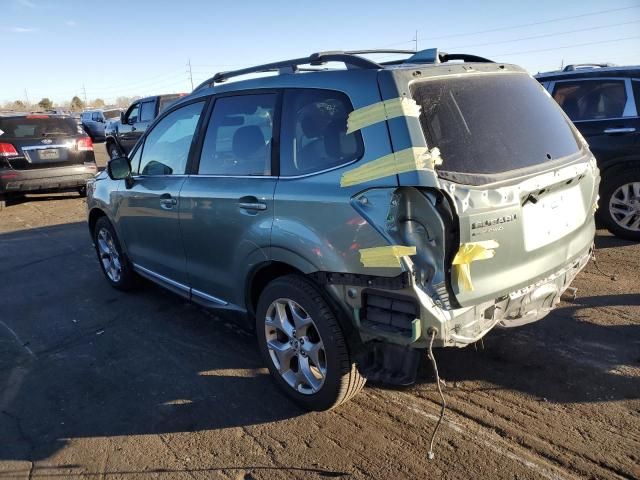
(355, 216)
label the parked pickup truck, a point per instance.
(121, 136)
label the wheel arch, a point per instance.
(94, 214)
(268, 271)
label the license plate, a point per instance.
(552, 217)
(50, 154)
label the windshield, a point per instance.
(490, 124)
(36, 126)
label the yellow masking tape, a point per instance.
(385, 256)
(471, 252)
(407, 160)
(381, 111)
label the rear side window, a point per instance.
(490, 124)
(314, 132)
(147, 111)
(38, 126)
(166, 148)
(239, 136)
(636, 94)
(591, 99)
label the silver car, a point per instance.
(355, 216)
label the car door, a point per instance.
(604, 111)
(127, 134)
(226, 205)
(149, 210)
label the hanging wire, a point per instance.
(431, 455)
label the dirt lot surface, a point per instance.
(95, 383)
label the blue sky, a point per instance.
(120, 47)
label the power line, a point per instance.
(559, 19)
(544, 35)
(565, 46)
(552, 20)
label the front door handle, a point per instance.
(609, 131)
(252, 205)
(167, 201)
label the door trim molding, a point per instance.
(177, 287)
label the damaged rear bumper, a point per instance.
(402, 313)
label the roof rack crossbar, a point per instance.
(576, 66)
(351, 60)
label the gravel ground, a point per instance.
(95, 383)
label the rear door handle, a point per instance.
(619, 130)
(252, 205)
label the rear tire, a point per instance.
(619, 207)
(304, 346)
(113, 262)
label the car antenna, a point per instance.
(433, 332)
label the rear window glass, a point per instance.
(314, 132)
(591, 99)
(25, 127)
(492, 124)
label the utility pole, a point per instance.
(190, 73)
(416, 40)
(84, 94)
(26, 97)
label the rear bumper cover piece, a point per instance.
(45, 179)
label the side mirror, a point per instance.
(122, 119)
(119, 168)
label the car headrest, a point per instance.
(247, 141)
(337, 143)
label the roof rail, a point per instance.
(576, 66)
(351, 59)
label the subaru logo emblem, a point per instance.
(47, 141)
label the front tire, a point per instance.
(114, 151)
(304, 346)
(114, 264)
(620, 203)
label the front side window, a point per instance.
(239, 136)
(166, 147)
(147, 111)
(314, 132)
(591, 99)
(132, 116)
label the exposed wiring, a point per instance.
(612, 276)
(433, 333)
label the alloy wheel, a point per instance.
(624, 206)
(109, 255)
(295, 346)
